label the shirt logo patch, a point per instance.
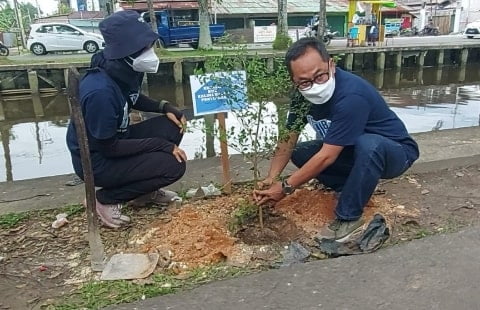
(320, 126)
(134, 98)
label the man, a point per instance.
(130, 162)
(359, 139)
(373, 34)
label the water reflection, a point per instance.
(32, 130)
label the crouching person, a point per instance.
(359, 139)
(131, 163)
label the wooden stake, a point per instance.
(97, 251)
(227, 182)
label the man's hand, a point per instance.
(175, 116)
(272, 195)
(179, 154)
(265, 183)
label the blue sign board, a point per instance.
(82, 5)
(218, 92)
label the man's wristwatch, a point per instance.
(287, 189)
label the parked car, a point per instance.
(472, 31)
(173, 32)
(53, 37)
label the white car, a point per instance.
(472, 31)
(52, 37)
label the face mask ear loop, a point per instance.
(130, 64)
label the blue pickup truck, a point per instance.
(172, 32)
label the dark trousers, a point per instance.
(357, 170)
(126, 178)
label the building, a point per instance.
(245, 14)
(470, 12)
(90, 5)
(445, 12)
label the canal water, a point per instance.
(33, 132)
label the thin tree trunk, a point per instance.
(322, 18)
(18, 15)
(5, 133)
(205, 40)
(282, 18)
(153, 19)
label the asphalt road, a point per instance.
(337, 43)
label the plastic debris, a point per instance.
(130, 266)
(74, 181)
(42, 268)
(294, 253)
(371, 240)
(60, 221)
(204, 191)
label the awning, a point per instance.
(386, 3)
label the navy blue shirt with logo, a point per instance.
(356, 108)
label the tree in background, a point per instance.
(282, 27)
(322, 19)
(7, 18)
(282, 40)
(205, 39)
(64, 9)
(7, 15)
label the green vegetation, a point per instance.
(11, 220)
(72, 210)
(95, 295)
(7, 15)
(244, 212)
(282, 42)
(250, 101)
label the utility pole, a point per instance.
(39, 13)
(18, 16)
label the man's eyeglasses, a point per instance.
(320, 78)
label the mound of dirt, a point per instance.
(311, 210)
(198, 234)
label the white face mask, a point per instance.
(320, 93)
(147, 62)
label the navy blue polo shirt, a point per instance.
(356, 108)
(105, 110)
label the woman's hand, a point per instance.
(179, 154)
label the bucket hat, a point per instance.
(125, 33)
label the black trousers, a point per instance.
(127, 178)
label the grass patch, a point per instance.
(43, 61)
(203, 53)
(11, 220)
(94, 295)
(72, 210)
(6, 61)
